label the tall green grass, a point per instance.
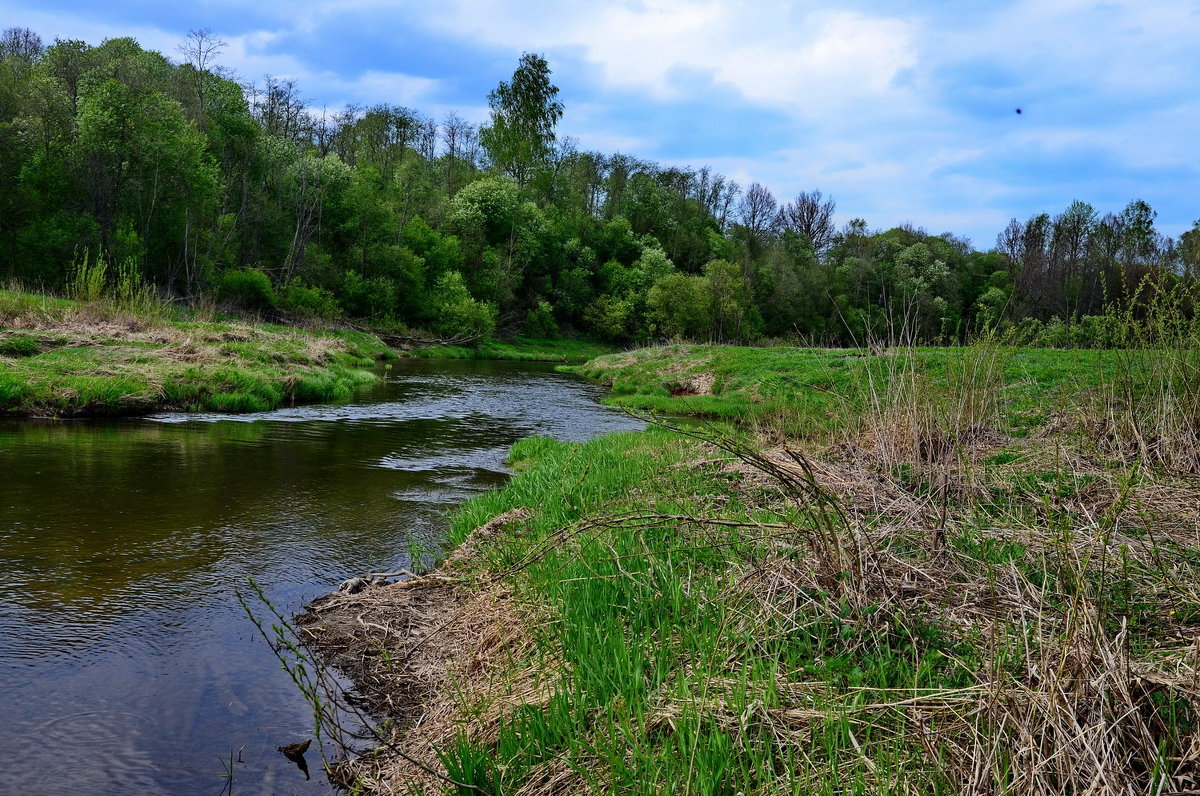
(124, 355)
(981, 578)
(521, 349)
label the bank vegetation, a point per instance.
(960, 571)
(109, 357)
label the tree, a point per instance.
(456, 312)
(278, 107)
(22, 45)
(680, 306)
(758, 215)
(1189, 253)
(524, 114)
(459, 145)
(733, 314)
(200, 49)
(146, 175)
(69, 61)
(811, 215)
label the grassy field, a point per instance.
(809, 392)
(63, 358)
(959, 571)
(522, 349)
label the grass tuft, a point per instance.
(63, 358)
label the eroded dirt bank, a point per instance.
(418, 650)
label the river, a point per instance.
(126, 663)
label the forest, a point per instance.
(121, 166)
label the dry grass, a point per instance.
(1075, 693)
(1085, 703)
(1039, 592)
(436, 655)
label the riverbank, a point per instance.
(60, 358)
(974, 570)
(521, 349)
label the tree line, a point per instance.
(207, 187)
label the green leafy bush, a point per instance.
(459, 313)
(248, 288)
(373, 298)
(539, 321)
(309, 302)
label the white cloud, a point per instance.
(898, 110)
(848, 59)
(810, 64)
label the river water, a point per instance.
(126, 662)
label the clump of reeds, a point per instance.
(1147, 406)
(920, 411)
(89, 278)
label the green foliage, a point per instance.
(373, 299)
(521, 349)
(524, 115)
(457, 313)
(309, 302)
(611, 318)
(89, 278)
(733, 312)
(175, 172)
(539, 321)
(486, 212)
(247, 288)
(679, 306)
(440, 252)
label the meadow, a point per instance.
(963, 570)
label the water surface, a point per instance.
(126, 663)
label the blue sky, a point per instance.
(902, 110)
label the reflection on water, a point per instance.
(126, 665)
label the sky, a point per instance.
(902, 111)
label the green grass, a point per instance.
(521, 349)
(61, 358)
(663, 662)
(965, 577)
(809, 392)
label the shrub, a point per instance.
(248, 288)
(88, 278)
(309, 302)
(368, 298)
(457, 312)
(539, 321)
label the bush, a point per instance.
(88, 278)
(248, 288)
(457, 312)
(678, 306)
(309, 302)
(610, 318)
(539, 321)
(368, 298)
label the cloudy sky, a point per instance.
(901, 110)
